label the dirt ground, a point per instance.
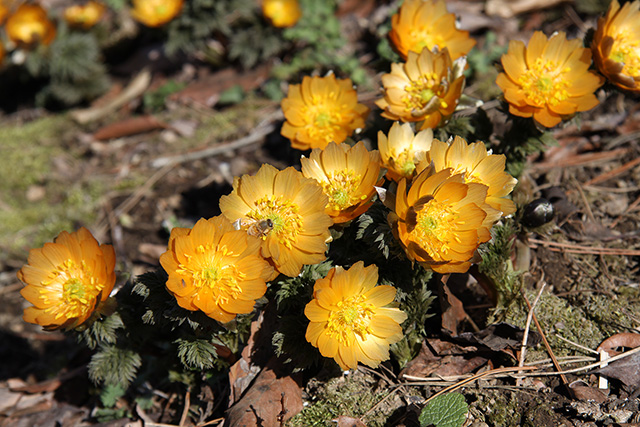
(131, 187)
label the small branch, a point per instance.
(544, 339)
(523, 348)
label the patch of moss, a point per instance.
(26, 159)
(557, 317)
(352, 395)
(495, 407)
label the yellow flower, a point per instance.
(84, 16)
(215, 268)
(67, 281)
(350, 319)
(284, 209)
(281, 13)
(616, 45)
(426, 23)
(30, 26)
(402, 150)
(475, 165)
(156, 13)
(347, 176)
(424, 89)
(442, 220)
(321, 110)
(548, 79)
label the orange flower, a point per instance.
(30, 26)
(402, 150)
(68, 281)
(281, 13)
(156, 13)
(350, 317)
(475, 165)
(215, 268)
(442, 220)
(347, 176)
(321, 110)
(84, 16)
(284, 209)
(616, 45)
(426, 88)
(548, 79)
(426, 23)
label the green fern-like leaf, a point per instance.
(102, 331)
(112, 365)
(197, 353)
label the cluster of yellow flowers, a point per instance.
(448, 195)
(28, 25)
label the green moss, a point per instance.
(27, 154)
(351, 396)
(495, 407)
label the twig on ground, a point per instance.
(138, 85)
(187, 404)
(477, 377)
(523, 347)
(263, 129)
(587, 367)
(579, 249)
(587, 349)
(613, 173)
(133, 200)
(582, 159)
(544, 339)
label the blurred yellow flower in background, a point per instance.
(67, 281)
(426, 23)
(156, 13)
(321, 110)
(403, 150)
(441, 220)
(85, 15)
(347, 176)
(475, 165)
(616, 45)
(294, 206)
(425, 89)
(29, 26)
(350, 317)
(281, 13)
(215, 268)
(549, 79)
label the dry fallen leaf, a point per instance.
(269, 401)
(452, 311)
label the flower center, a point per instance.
(436, 227)
(77, 290)
(211, 268)
(628, 53)
(404, 162)
(284, 215)
(423, 38)
(544, 83)
(341, 188)
(350, 316)
(420, 94)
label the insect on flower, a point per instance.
(257, 228)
